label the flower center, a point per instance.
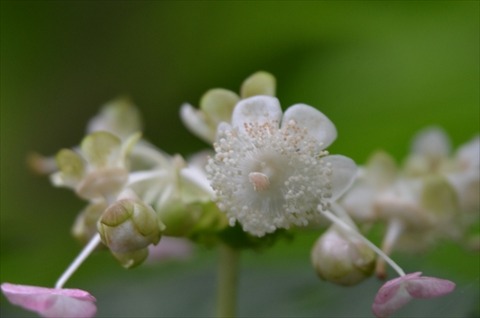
(268, 177)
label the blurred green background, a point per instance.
(380, 70)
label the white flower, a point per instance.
(271, 171)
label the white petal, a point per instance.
(431, 142)
(317, 124)
(195, 121)
(344, 171)
(257, 109)
(468, 155)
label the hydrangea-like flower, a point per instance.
(271, 171)
(397, 292)
(51, 302)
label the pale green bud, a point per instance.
(71, 168)
(179, 217)
(101, 148)
(119, 117)
(381, 170)
(129, 225)
(85, 226)
(438, 196)
(259, 83)
(218, 104)
(341, 259)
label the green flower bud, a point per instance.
(218, 104)
(439, 196)
(119, 116)
(341, 259)
(179, 217)
(71, 168)
(259, 83)
(101, 148)
(129, 225)
(85, 226)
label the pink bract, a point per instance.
(51, 302)
(396, 293)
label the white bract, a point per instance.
(271, 171)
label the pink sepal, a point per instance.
(396, 293)
(51, 302)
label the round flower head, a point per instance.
(271, 171)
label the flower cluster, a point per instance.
(434, 196)
(269, 173)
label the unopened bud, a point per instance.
(85, 226)
(129, 225)
(341, 259)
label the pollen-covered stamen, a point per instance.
(259, 181)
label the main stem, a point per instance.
(227, 281)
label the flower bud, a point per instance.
(129, 225)
(341, 259)
(85, 226)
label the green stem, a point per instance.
(227, 281)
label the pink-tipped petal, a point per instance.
(396, 293)
(51, 302)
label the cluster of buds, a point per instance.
(269, 172)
